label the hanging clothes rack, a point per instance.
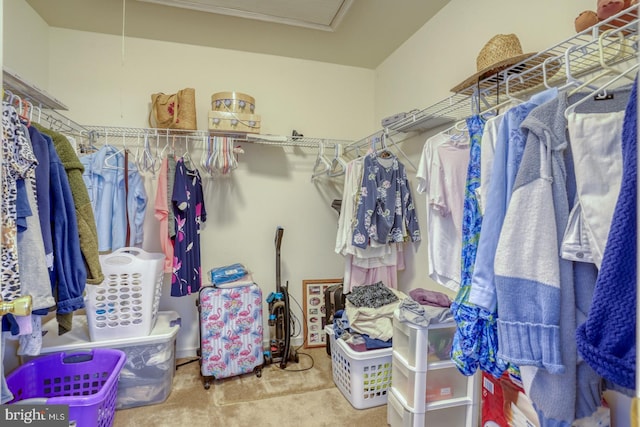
(167, 138)
(573, 58)
(191, 135)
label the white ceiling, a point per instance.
(359, 33)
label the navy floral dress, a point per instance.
(189, 212)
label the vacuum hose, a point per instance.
(286, 329)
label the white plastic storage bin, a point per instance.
(419, 390)
(410, 342)
(126, 303)
(147, 375)
(399, 416)
(409, 385)
(364, 378)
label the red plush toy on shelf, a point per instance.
(605, 10)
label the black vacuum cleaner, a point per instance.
(280, 350)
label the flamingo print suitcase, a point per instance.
(230, 331)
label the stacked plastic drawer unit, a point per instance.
(427, 388)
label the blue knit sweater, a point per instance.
(607, 340)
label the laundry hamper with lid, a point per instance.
(126, 303)
(86, 381)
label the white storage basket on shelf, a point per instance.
(126, 303)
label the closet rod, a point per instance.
(49, 118)
(374, 138)
(57, 122)
(94, 131)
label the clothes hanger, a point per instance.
(407, 159)
(598, 91)
(322, 165)
(90, 147)
(509, 102)
(384, 152)
(17, 103)
(171, 146)
(158, 157)
(218, 155)
(232, 162)
(606, 68)
(206, 153)
(138, 155)
(114, 155)
(457, 130)
(25, 112)
(186, 158)
(226, 161)
(6, 95)
(338, 165)
(150, 162)
(461, 126)
(545, 74)
(215, 155)
(220, 159)
(457, 135)
(160, 154)
(510, 96)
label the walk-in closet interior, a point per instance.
(451, 183)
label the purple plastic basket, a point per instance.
(87, 381)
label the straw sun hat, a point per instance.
(499, 53)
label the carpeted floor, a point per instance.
(302, 395)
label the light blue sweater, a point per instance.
(508, 155)
(541, 297)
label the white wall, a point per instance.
(103, 87)
(25, 42)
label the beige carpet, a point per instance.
(280, 398)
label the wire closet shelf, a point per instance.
(610, 42)
(36, 104)
(171, 136)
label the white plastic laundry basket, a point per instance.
(126, 303)
(364, 378)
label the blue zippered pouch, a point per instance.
(228, 273)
